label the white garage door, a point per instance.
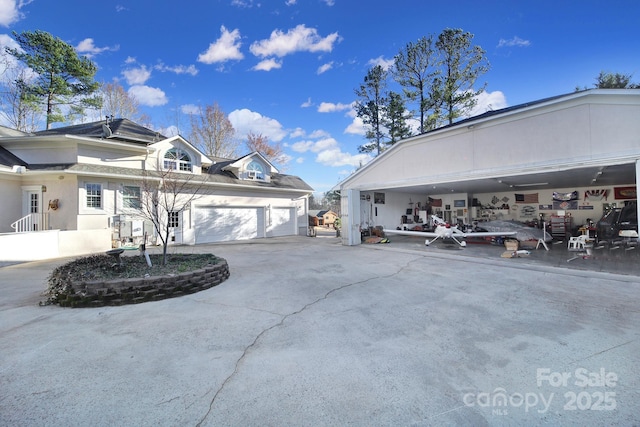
(216, 224)
(283, 222)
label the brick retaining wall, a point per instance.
(133, 291)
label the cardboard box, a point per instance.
(511, 245)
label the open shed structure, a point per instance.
(564, 160)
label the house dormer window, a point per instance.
(255, 170)
(177, 160)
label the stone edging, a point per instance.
(136, 290)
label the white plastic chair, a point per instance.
(578, 243)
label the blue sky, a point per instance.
(287, 69)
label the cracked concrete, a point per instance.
(284, 318)
(308, 332)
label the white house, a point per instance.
(564, 160)
(79, 189)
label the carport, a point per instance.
(586, 141)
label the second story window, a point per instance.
(255, 170)
(177, 160)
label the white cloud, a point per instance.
(149, 96)
(89, 49)
(384, 63)
(137, 76)
(177, 69)
(306, 104)
(297, 133)
(7, 60)
(189, 109)
(330, 107)
(319, 133)
(10, 11)
(130, 60)
(324, 68)
(245, 121)
(298, 39)
(514, 42)
(335, 157)
(356, 127)
(300, 160)
(302, 146)
(169, 131)
(244, 3)
(318, 146)
(290, 2)
(226, 48)
(488, 101)
(267, 65)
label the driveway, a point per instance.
(307, 332)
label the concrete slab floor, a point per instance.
(309, 332)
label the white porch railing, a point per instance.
(32, 222)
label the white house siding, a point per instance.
(34, 152)
(10, 190)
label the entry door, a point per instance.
(175, 224)
(32, 205)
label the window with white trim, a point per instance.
(93, 195)
(173, 219)
(131, 197)
(255, 170)
(178, 160)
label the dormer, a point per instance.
(177, 159)
(252, 167)
(177, 155)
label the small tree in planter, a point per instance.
(166, 194)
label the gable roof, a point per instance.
(488, 116)
(117, 129)
(238, 162)
(222, 171)
(321, 213)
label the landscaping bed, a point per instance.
(102, 280)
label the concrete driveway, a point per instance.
(307, 332)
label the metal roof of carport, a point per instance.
(571, 173)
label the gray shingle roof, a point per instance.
(127, 131)
(121, 130)
(281, 181)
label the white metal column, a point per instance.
(350, 207)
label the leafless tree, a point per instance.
(117, 102)
(212, 132)
(20, 110)
(166, 194)
(272, 151)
